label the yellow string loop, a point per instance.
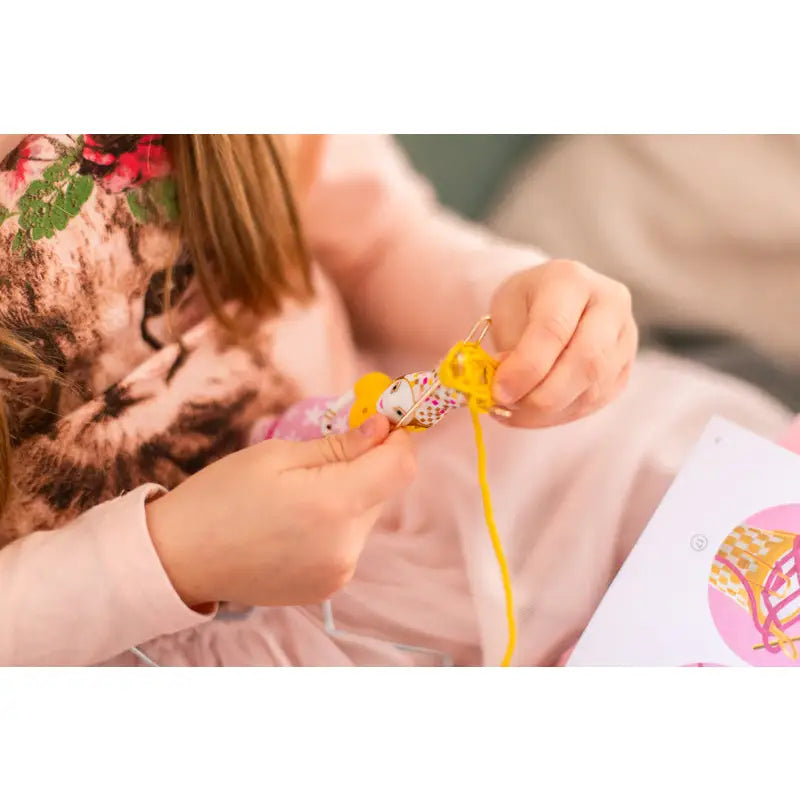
(470, 370)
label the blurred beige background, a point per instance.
(704, 229)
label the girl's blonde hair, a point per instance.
(240, 222)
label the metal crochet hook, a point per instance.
(479, 330)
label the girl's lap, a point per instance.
(569, 503)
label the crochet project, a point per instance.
(417, 402)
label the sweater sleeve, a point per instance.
(84, 593)
(413, 274)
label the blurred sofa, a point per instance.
(705, 230)
(469, 171)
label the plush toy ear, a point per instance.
(367, 391)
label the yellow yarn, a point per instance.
(470, 370)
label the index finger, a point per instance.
(553, 318)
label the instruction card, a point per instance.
(713, 580)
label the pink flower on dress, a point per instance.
(22, 165)
(119, 161)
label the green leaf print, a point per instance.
(136, 206)
(169, 198)
(33, 213)
(156, 199)
(58, 216)
(38, 188)
(59, 171)
(82, 186)
(69, 204)
(49, 203)
(19, 244)
(40, 232)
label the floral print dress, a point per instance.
(87, 232)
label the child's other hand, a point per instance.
(279, 523)
(568, 340)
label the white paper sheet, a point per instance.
(686, 594)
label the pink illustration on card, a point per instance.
(754, 588)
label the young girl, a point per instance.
(163, 293)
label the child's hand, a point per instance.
(279, 523)
(568, 340)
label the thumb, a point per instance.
(341, 447)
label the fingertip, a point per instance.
(506, 389)
(403, 439)
(375, 429)
(504, 396)
(403, 442)
(354, 443)
(383, 471)
(501, 412)
(400, 433)
(508, 420)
